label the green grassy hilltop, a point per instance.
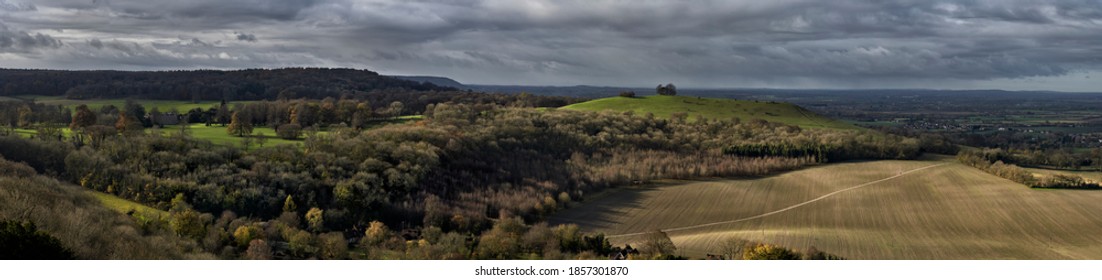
(664, 106)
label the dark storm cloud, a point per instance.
(246, 37)
(704, 43)
(16, 41)
(217, 10)
(16, 7)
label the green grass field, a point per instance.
(868, 210)
(217, 134)
(713, 108)
(28, 132)
(162, 105)
(123, 206)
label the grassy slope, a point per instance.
(123, 206)
(713, 108)
(945, 212)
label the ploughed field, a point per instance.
(866, 210)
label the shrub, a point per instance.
(769, 252)
(657, 244)
(289, 131)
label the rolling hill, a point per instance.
(247, 84)
(438, 81)
(866, 210)
(663, 106)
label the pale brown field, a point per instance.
(868, 210)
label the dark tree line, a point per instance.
(250, 84)
(827, 146)
(14, 114)
(999, 163)
(1068, 159)
(358, 111)
(819, 152)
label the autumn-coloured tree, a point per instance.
(127, 123)
(245, 234)
(503, 240)
(376, 234)
(361, 115)
(333, 246)
(239, 127)
(769, 252)
(289, 131)
(188, 223)
(84, 117)
(394, 110)
(302, 243)
(314, 219)
(26, 116)
(289, 205)
(258, 250)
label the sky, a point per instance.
(838, 44)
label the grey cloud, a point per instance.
(16, 6)
(180, 54)
(212, 10)
(708, 42)
(245, 37)
(16, 41)
(194, 42)
(96, 43)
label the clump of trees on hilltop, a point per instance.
(667, 89)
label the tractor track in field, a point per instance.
(782, 209)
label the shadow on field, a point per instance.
(598, 211)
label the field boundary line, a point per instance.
(763, 215)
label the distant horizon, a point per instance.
(682, 87)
